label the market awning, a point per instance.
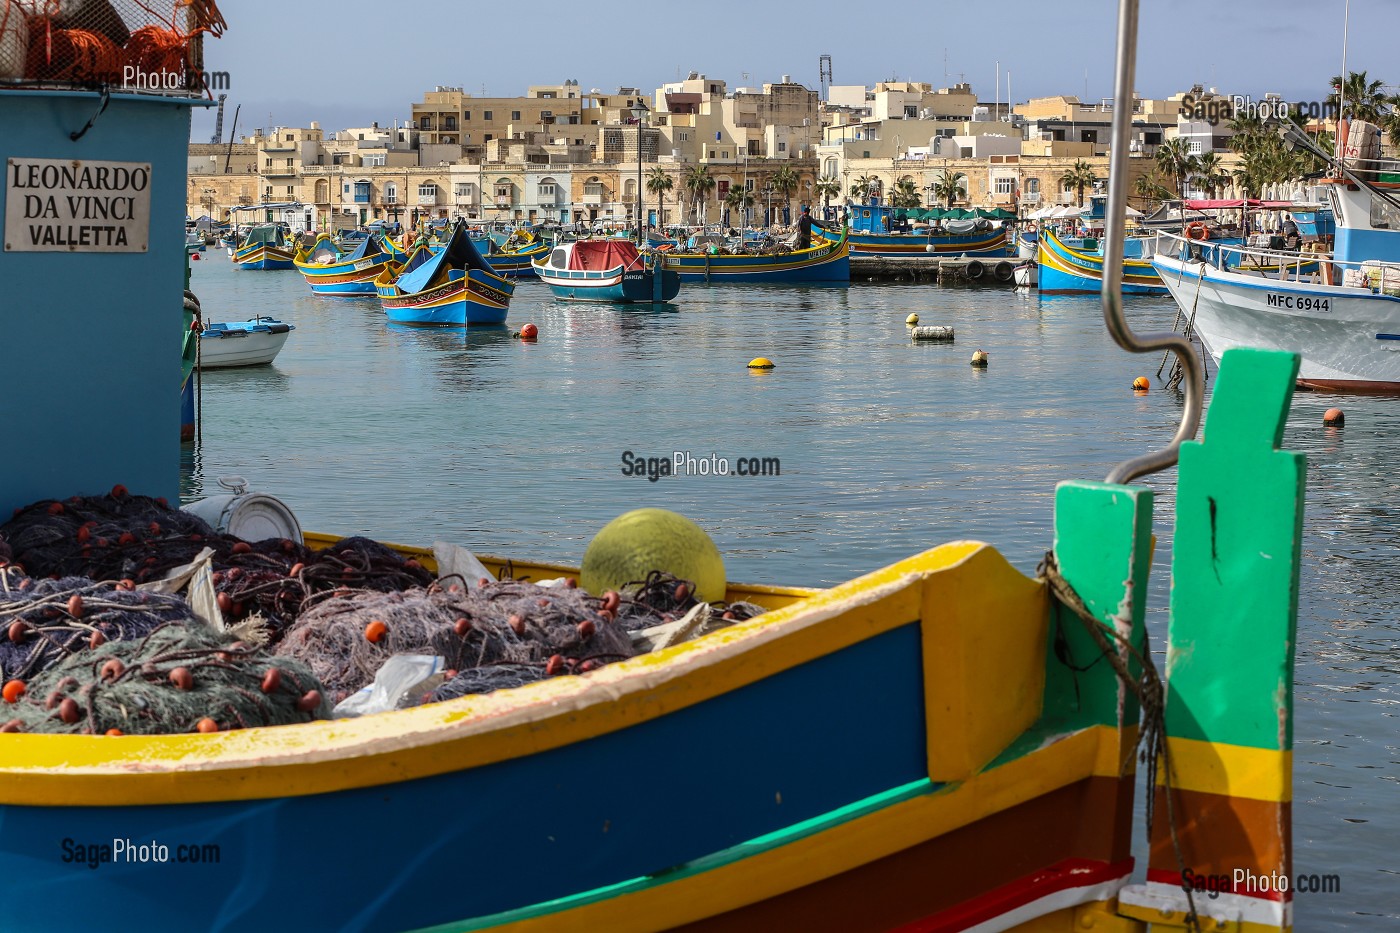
(1216, 204)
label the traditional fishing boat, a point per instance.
(253, 342)
(608, 270)
(449, 285)
(264, 247)
(514, 254)
(1075, 266)
(943, 744)
(1342, 313)
(825, 261)
(872, 233)
(332, 270)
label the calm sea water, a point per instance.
(886, 448)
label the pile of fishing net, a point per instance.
(90, 658)
(135, 538)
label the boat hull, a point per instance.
(614, 286)
(825, 263)
(1349, 338)
(518, 264)
(470, 300)
(239, 349)
(344, 279)
(264, 258)
(991, 244)
(1064, 270)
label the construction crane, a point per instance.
(824, 68)
(219, 122)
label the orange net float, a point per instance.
(72, 55)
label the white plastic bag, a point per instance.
(397, 684)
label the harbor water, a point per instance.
(870, 448)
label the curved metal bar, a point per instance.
(1112, 295)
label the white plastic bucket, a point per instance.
(252, 516)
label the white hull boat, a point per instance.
(1025, 275)
(243, 343)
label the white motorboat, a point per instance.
(242, 343)
(1025, 274)
(1341, 312)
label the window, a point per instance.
(425, 123)
(1088, 136)
(289, 163)
(910, 111)
(267, 193)
(782, 147)
(1197, 147)
(1004, 185)
(375, 158)
(1032, 186)
(489, 137)
(515, 114)
(486, 115)
(463, 190)
(449, 123)
(427, 191)
(290, 190)
(361, 192)
(546, 192)
(503, 190)
(593, 189)
(466, 116)
(391, 193)
(268, 164)
(1152, 139)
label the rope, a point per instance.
(1174, 379)
(1151, 745)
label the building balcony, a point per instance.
(1030, 197)
(278, 171)
(428, 199)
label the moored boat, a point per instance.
(243, 343)
(1075, 266)
(514, 255)
(331, 270)
(264, 247)
(825, 261)
(608, 270)
(448, 285)
(872, 234)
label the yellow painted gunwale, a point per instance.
(274, 762)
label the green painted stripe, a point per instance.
(743, 850)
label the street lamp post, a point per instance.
(639, 112)
(768, 205)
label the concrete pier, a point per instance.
(943, 269)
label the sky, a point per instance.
(354, 62)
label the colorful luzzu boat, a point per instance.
(608, 270)
(330, 270)
(515, 256)
(931, 746)
(447, 285)
(826, 261)
(263, 248)
(1075, 267)
(869, 224)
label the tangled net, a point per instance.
(42, 622)
(501, 623)
(138, 539)
(181, 677)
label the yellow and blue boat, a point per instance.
(331, 270)
(1075, 266)
(825, 261)
(945, 744)
(514, 255)
(265, 247)
(448, 285)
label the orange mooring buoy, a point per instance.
(1334, 416)
(1140, 384)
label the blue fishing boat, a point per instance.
(873, 233)
(825, 261)
(514, 254)
(445, 286)
(332, 270)
(265, 247)
(608, 269)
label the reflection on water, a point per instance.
(887, 447)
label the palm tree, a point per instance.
(1080, 176)
(1361, 97)
(865, 186)
(785, 182)
(826, 189)
(949, 187)
(1152, 187)
(1210, 174)
(905, 194)
(738, 199)
(698, 183)
(1175, 158)
(658, 183)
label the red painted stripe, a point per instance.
(1062, 876)
(1224, 884)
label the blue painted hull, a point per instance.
(629, 288)
(345, 289)
(1066, 268)
(828, 262)
(265, 264)
(985, 245)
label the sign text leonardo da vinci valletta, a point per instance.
(70, 205)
